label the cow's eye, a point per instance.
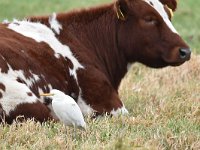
(151, 20)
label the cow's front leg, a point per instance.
(119, 109)
(97, 94)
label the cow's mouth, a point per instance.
(174, 63)
(179, 58)
(164, 63)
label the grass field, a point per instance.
(164, 104)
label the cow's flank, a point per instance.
(84, 54)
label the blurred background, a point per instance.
(186, 19)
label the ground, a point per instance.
(164, 104)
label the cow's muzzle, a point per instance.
(185, 53)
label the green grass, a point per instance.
(187, 21)
(164, 104)
(20, 9)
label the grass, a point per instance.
(187, 21)
(11, 8)
(164, 104)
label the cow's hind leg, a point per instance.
(18, 100)
(37, 111)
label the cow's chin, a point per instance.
(162, 64)
(174, 63)
(159, 64)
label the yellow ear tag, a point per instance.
(171, 12)
(120, 15)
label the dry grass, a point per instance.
(164, 108)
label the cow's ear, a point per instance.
(172, 4)
(121, 9)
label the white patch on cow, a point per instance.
(15, 74)
(158, 6)
(85, 109)
(36, 77)
(54, 24)
(119, 111)
(15, 94)
(40, 91)
(41, 33)
(29, 81)
(50, 87)
(72, 72)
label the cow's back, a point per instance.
(35, 61)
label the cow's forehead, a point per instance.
(158, 6)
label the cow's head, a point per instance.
(146, 34)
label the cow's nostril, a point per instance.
(185, 53)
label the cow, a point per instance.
(85, 54)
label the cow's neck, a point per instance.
(95, 30)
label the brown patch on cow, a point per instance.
(4, 65)
(20, 80)
(2, 87)
(37, 110)
(71, 66)
(29, 94)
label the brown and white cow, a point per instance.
(85, 54)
